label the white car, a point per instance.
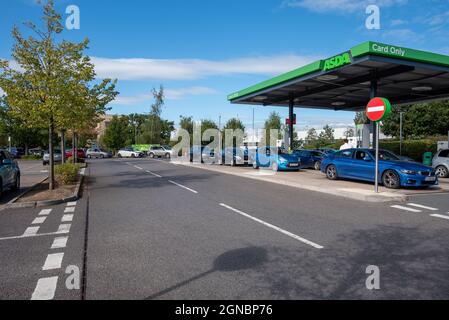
(441, 163)
(129, 153)
(161, 151)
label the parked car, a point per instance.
(276, 159)
(327, 151)
(97, 153)
(36, 152)
(129, 153)
(57, 156)
(235, 156)
(80, 154)
(16, 152)
(359, 164)
(9, 172)
(161, 152)
(441, 163)
(310, 158)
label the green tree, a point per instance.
(272, 123)
(152, 128)
(349, 133)
(327, 135)
(419, 121)
(234, 124)
(52, 86)
(311, 135)
(360, 118)
(117, 133)
(187, 124)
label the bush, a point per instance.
(31, 157)
(67, 173)
(411, 148)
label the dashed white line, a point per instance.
(31, 231)
(64, 228)
(181, 186)
(45, 289)
(67, 218)
(59, 243)
(406, 209)
(422, 207)
(45, 212)
(53, 261)
(440, 216)
(39, 220)
(154, 174)
(137, 167)
(69, 210)
(71, 204)
(287, 233)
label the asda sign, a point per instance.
(337, 61)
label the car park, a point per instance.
(97, 153)
(441, 163)
(57, 157)
(129, 153)
(359, 164)
(310, 158)
(161, 152)
(276, 159)
(9, 172)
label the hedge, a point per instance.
(67, 173)
(414, 149)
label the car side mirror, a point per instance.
(7, 162)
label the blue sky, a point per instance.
(202, 50)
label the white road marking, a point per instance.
(53, 261)
(45, 212)
(83, 171)
(59, 243)
(71, 204)
(287, 233)
(406, 209)
(64, 228)
(45, 289)
(31, 231)
(422, 207)
(69, 210)
(34, 235)
(67, 218)
(181, 186)
(137, 167)
(39, 220)
(440, 216)
(154, 174)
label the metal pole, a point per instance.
(291, 111)
(377, 157)
(401, 136)
(220, 143)
(373, 94)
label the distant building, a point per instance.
(102, 125)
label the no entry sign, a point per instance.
(378, 109)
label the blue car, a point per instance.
(310, 158)
(359, 164)
(276, 159)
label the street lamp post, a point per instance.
(401, 115)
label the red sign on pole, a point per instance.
(378, 109)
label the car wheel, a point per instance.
(442, 172)
(317, 166)
(101, 156)
(151, 155)
(119, 155)
(1, 188)
(16, 185)
(89, 156)
(255, 166)
(44, 163)
(167, 155)
(133, 155)
(331, 172)
(391, 180)
(275, 167)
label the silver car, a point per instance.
(57, 156)
(441, 163)
(160, 151)
(97, 153)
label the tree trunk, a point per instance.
(52, 156)
(75, 148)
(63, 145)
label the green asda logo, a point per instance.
(337, 61)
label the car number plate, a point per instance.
(431, 179)
(294, 164)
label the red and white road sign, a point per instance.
(378, 109)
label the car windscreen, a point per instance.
(385, 155)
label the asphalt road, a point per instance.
(160, 231)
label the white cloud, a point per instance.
(189, 69)
(170, 94)
(345, 6)
(397, 22)
(2, 92)
(438, 19)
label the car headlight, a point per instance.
(282, 160)
(411, 172)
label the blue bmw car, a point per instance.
(310, 158)
(359, 164)
(276, 159)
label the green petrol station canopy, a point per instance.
(343, 82)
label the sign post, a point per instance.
(377, 110)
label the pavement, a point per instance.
(149, 229)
